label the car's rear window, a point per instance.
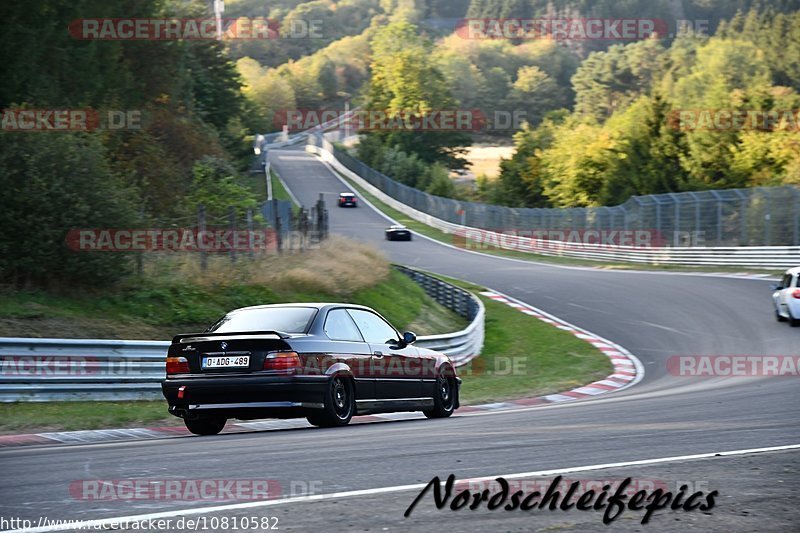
(284, 319)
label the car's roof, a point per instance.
(313, 305)
(346, 194)
(397, 226)
(793, 271)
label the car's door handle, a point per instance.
(377, 354)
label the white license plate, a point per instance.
(227, 361)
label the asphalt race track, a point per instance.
(653, 315)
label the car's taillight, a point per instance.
(177, 365)
(796, 294)
(286, 361)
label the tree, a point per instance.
(405, 83)
(215, 186)
(535, 93)
(270, 93)
(49, 189)
(440, 183)
(611, 80)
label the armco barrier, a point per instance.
(80, 369)
(461, 346)
(41, 370)
(772, 257)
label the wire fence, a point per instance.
(759, 216)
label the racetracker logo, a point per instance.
(64, 365)
(554, 240)
(561, 29)
(721, 120)
(70, 120)
(734, 366)
(377, 120)
(174, 29)
(175, 489)
(171, 240)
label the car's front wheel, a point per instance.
(444, 398)
(205, 426)
(339, 404)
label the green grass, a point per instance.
(279, 192)
(151, 309)
(256, 183)
(521, 357)
(71, 416)
(470, 244)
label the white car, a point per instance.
(787, 297)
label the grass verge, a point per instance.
(521, 357)
(174, 295)
(72, 416)
(279, 191)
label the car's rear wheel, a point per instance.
(205, 426)
(339, 404)
(779, 317)
(794, 322)
(444, 398)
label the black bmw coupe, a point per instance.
(326, 362)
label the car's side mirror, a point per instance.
(408, 338)
(775, 287)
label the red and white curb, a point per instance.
(627, 371)
(93, 436)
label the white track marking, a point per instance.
(98, 524)
(754, 277)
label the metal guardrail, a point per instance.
(460, 346)
(756, 216)
(80, 369)
(772, 257)
(273, 140)
(42, 370)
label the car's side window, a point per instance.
(796, 281)
(374, 329)
(340, 327)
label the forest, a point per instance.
(598, 114)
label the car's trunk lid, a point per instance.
(227, 353)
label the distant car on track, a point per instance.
(326, 362)
(348, 199)
(398, 233)
(786, 297)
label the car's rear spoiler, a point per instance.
(178, 338)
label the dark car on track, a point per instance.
(326, 362)
(398, 233)
(348, 199)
